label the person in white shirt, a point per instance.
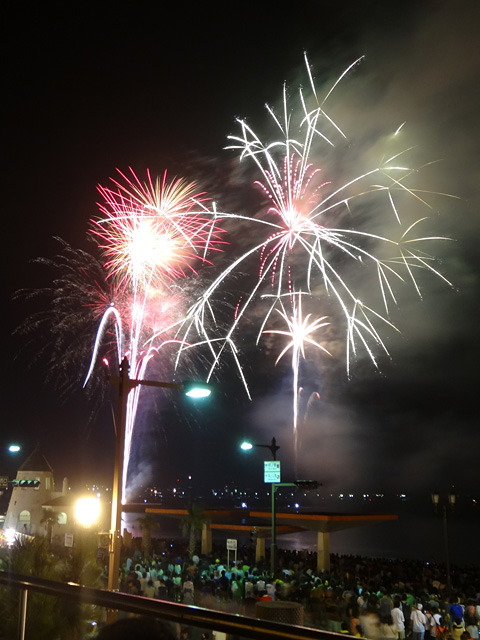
(419, 622)
(398, 618)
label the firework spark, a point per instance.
(311, 235)
(299, 330)
(313, 232)
(151, 235)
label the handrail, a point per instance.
(183, 614)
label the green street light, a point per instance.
(14, 448)
(273, 447)
(196, 389)
(302, 484)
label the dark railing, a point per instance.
(185, 615)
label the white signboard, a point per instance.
(231, 544)
(69, 539)
(271, 471)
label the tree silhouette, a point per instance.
(147, 525)
(191, 524)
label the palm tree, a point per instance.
(191, 523)
(49, 519)
(147, 524)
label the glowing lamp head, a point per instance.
(14, 448)
(196, 389)
(246, 446)
(10, 536)
(87, 511)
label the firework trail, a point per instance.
(311, 234)
(300, 330)
(151, 234)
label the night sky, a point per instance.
(159, 87)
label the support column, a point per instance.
(206, 539)
(259, 549)
(323, 551)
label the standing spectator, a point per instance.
(471, 621)
(419, 621)
(458, 627)
(370, 622)
(472, 628)
(188, 591)
(149, 590)
(223, 586)
(456, 609)
(442, 629)
(431, 626)
(398, 618)
(161, 589)
(385, 606)
(388, 630)
(261, 586)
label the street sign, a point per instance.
(231, 544)
(271, 471)
(3, 482)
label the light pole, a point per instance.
(451, 498)
(247, 446)
(273, 447)
(124, 385)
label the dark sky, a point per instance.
(153, 87)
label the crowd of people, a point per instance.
(363, 597)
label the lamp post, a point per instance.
(14, 448)
(451, 498)
(124, 385)
(273, 447)
(247, 446)
(87, 511)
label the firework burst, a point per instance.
(152, 234)
(300, 330)
(312, 237)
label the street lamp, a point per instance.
(247, 446)
(14, 448)
(125, 384)
(273, 447)
(451, 498)
(87, 511)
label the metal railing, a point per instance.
(185, 615)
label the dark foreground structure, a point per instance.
(181, 615)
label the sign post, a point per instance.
(231, 546)
(271, 471)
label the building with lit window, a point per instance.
(32, 493)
